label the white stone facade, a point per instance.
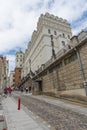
(19, 59)
(39, 49)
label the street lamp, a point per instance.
(52, 44)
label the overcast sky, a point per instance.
(18, 19)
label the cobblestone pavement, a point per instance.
(59, 118)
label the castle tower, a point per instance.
(19, 59)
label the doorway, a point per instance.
(40, 86)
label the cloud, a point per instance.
(18, 19)
(68, 9)
(77, 29)
(11, 59)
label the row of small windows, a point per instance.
(55, 33)
(49, 31)
(70, 59)
(20, 60)
(19, 55)
(66, 61)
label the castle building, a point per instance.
(57, 59)
(67, 74)
(51, 36)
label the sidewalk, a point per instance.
(76, 108)
(20, 119)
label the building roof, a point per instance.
(20, 51)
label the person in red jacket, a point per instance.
(9, 90)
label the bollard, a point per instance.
(19, 104)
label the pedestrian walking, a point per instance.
(26, 89)
(5, 92)
(9, 91)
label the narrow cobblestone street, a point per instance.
(57, 117)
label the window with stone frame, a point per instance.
(55, 33)
(68, 36)
(63, 35)
(63, 43)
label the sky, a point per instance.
(18, 20)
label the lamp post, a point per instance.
(52, 44)
(81, 69)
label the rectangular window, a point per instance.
(49, 31)
(19, 77)
(70, 59)
(55, 33)
(19, 70)
(68, 36)
(63, 43)
(59, 65)
(63, 35)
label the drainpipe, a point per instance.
(52, 45)
(81, 69)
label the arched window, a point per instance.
(63, 43)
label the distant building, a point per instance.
(19, 62)
(17, 76)
(19, 59)
(4, 65)
(12, 79)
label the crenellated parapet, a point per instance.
(50, 19)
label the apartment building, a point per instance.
(4, 68)
(19, 62)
